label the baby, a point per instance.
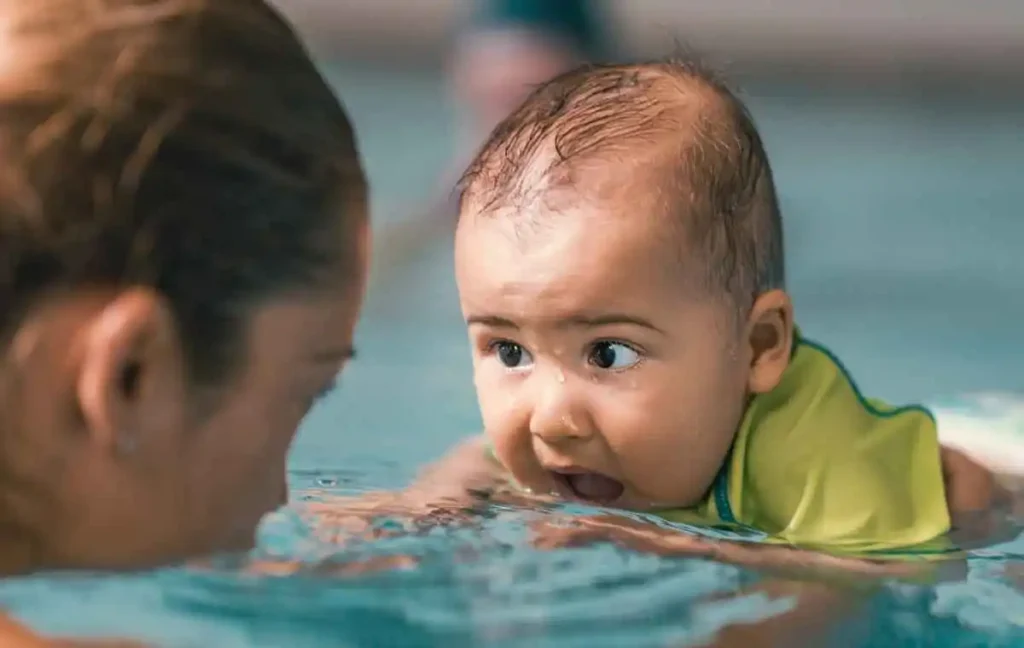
(620, 266)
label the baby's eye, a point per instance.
(512, 355)
(613, 355)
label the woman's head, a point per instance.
(183, 241)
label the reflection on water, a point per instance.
(903, 240)
(485, 584)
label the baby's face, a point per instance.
(602, 375)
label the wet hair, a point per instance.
(677, 122)
(188, 146)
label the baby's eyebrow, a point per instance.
(589, 321)
(491, 320)
(609, 319)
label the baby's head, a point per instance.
(620, 267)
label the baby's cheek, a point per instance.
(507, 423)
(501, 413)
(495, 396)
(663, 444)
(639, 418)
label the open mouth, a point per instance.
(590, 487)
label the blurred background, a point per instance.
(896, 132)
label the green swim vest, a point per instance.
(817, 464)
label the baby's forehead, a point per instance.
(584, 259)
(637, 178)
(626, 228)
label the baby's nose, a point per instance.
(553, 431)
(557, 416)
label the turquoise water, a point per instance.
(904, 241)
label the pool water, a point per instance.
(904, 236)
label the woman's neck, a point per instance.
(19, 552)
(21, 514)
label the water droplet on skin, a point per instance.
(561, 377)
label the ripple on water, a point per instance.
(487, 585)
(479, 586)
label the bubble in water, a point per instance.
(326, 482)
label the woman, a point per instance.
(183, 244)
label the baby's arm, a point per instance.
(468, 471)
(464, 477)
(784, 561)
(969, 485)
(824, 589)
(982, 511)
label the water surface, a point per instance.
(904, 234)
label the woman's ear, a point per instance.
(132, 379)
(770, 336)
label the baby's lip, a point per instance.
(570, 469)
(590, 486)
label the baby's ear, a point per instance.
(770, 336)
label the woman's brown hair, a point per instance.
(189, 146)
